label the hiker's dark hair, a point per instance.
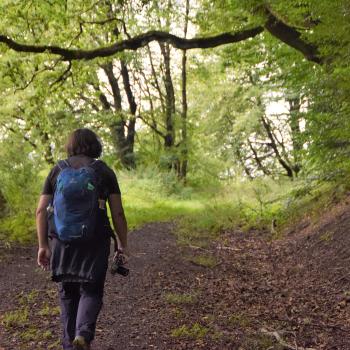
(83, 141)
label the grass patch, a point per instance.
(204, 260)
(327, 236)
(197, 331)
(239, 320)
(33, 334)
(181, 299)
(203, 210)
(203, 214)
(47, 310)
(30, 319)
(150, 196)
(259, 342)
(187, 236)
(55, 345)
(178, 312)
(28, 298)
(16, 318)
(158, 210)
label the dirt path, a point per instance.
(250, 293)
(133, 307)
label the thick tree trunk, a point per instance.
(169, 140)
(123, 132)
(117, 127)
(184, 142)
(130, 137)
(182, 171)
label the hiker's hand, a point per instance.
(44, 255)
(124, 252)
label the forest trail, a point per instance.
(254, 293)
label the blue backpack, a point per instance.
(75, 202)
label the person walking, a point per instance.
(72, 212)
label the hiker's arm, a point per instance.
(44, 252)
(119, 220)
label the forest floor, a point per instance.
(243, 291)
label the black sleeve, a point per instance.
(111, 182)
(50, 182)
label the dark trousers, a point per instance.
(80, 305)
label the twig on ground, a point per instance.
(309, 324)
(228, 248)
(344, 277)
(196, 247)
(282, 342)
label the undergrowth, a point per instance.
(201, 210)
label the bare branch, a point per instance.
(103, 22)
(36, 73)
(26, 138)
(153, 127)
(63, 77)
(90, 102)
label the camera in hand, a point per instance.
(118, 266)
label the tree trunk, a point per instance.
(258, 160)
(169, 140)
(294, 118)
(123, 133)
(242, 162)
(182, 171)
(274, 147)
(130, 137)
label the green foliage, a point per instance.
(247, 205)
(231, 90)
(150, 195)
(20, 188)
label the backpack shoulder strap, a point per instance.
(95, 164)
(62, 164)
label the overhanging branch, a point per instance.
(290, 36)
(134, 44)
(276, 27)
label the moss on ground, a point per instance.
(29, 317)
